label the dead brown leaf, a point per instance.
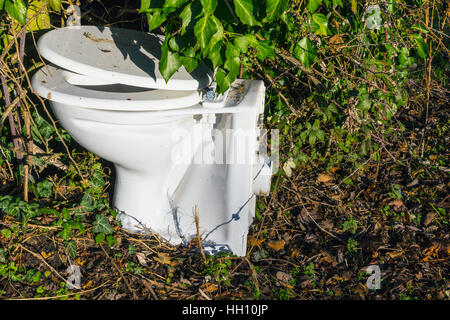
(431, 252)
(209, 287)
(253, 241)
(324, 178)
(80, 261)
(395, 254)
(283, 276)
(45, 255)
(162, 258)
(336, 42)
(330, 259)
(361, 290)
(429, 218)
(347, 275)
(141, 258)
(396, 204)
(334, 169)
(295, 253)
(277, 245)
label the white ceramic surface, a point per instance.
(117, 55)
(67, 87)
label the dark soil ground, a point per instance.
(314, 240)
(313, 237)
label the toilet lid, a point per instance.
(71, 89)
(118, 56)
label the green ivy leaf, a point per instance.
(170, 61)
(189, 63)
(264, 48)
(338, 3)
(66, 233)
(404, 59)
(233, 61)
(97, 181)
(55, 4)
(305, 52)
(151, 5)
(312, 138)
(203, 30)
(111, 240)
(155, 19)
(422, 48)
(101, 225)
(99, 238)
(223, 81)
(145, 4)
(320, 135)
(174, 3)
(316, 125)
(217, 37)
(354, 7)
(244, 41)
(313, 5)
(188, 16)
(2, 2)
(44, 188)
(72, 247)
(274, 9)
(17, 9)
(320, 24)
(209, 6)
(87, 202)
(244, 10)
(208, 31)
(215, 55)
(41, 18)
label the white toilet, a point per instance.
(174, 145)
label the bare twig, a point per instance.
(199, 240)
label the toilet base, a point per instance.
(221, 191)
(222, 222)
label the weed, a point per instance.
(217, 267)
(308, 270)
(350, 225)
(352, 245)
(284, 294)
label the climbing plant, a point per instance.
(218, 32)
(17, 9)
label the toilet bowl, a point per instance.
(104, 87)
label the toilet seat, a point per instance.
(113, 69)
(55, 84)
(117, 55)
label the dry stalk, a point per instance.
(199, 240)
